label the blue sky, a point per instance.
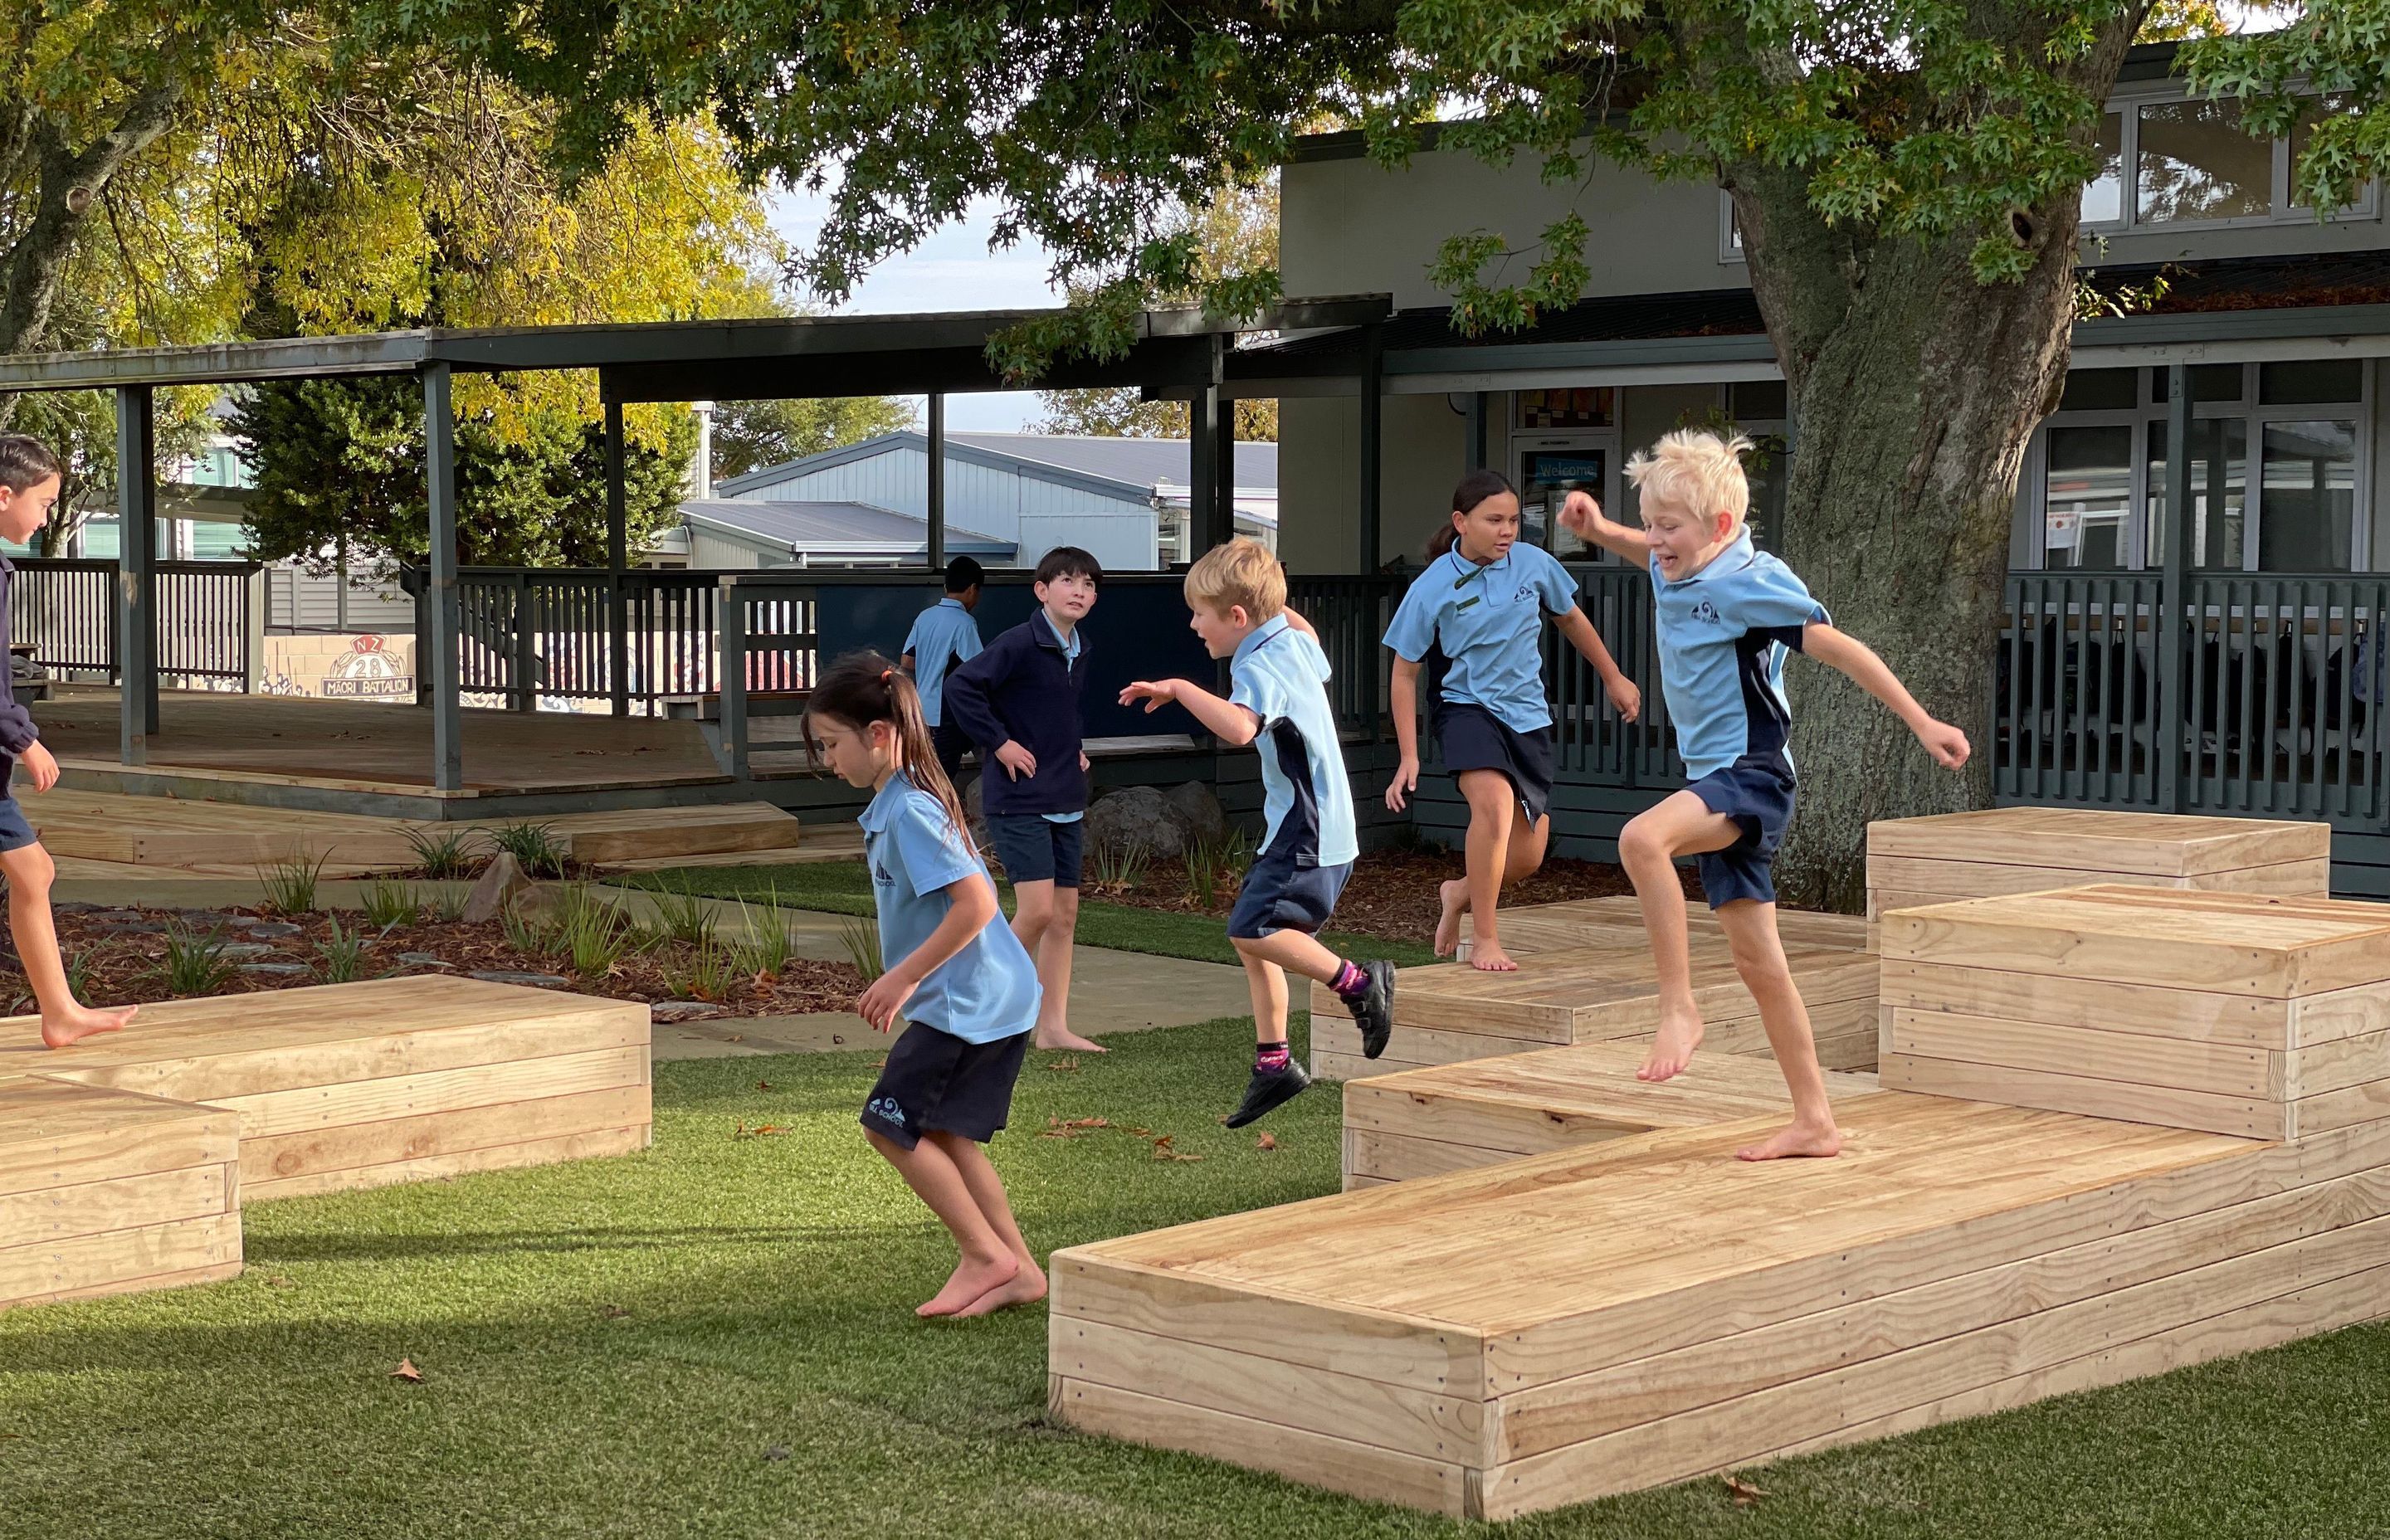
(952, 270)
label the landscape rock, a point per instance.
(502, 881)
(682, 1010)
(238, 949)
(1195, 802)
(287, 969)
(424, 959)
(501, 976)
(1137, 818)
(270, 928)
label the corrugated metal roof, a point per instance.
(1137, 462)
(834, 529)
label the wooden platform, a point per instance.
(1618, 921)
(2263, 1017)
(1450, 1013)
(102, 1192)
(345, 745)
(1424, 1122)
(1645, 1309)
(2023, 850)
(118, 1155)
(219, 838)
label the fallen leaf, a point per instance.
(763, 1085)
(1744, 1492)
(778, 1453)
(1266, 1141)
(878, 1064)
(278, 1281)
(1162, 1153)
(1067, 1064)
(1055, 1128)
(737, 1038)
(743, 1132)
(407, 1371)
(615, 1313)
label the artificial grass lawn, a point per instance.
(716, 1339)
(843, 887)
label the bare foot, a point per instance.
(1799, 1140)
(1672, 1049)
(1027, 1287)
(82, 1023)
(1063, 1037)
(1455, 896)
(1486, 955)
(970, 1280)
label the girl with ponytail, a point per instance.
(954, 972)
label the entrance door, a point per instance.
(1547, 467)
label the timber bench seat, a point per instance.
(1424, 1122)
(309, 1090)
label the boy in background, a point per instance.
(942, 636)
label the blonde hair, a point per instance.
(1698, 470)
(1241, 571)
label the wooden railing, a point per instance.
(210, 619)
(534, 636)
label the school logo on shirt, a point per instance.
(1525, 589)
(1705, 612)
(882, 876)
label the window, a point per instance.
(2166, 160)
(2195, 162)
(2278, 469)
(2304, 131)
(2087, 497)
(1585, 406)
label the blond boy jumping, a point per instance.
(1728, 613)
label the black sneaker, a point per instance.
(1374, 1008)
(1267, 1091)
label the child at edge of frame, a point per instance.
(1479, 607)
(1278, 701)
(1727, 613)
(30, 477)
(954, 971)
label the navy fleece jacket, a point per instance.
(16, 733)
(1020, 687)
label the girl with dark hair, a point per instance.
(955, 972)
(1480, 607)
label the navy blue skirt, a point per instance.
(1474, 739)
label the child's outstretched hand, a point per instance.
(1578, 514)
(1154, 692)
(1947, 744)
(1624, 697)
(40, 766)
(883, 1000)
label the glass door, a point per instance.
(1545, 468)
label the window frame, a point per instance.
(2256, 416)
(2128, 102)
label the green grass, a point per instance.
(843, 887)
(617, 1348)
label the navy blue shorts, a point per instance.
(1280, 894)
(1756, 792)
(936, 1082)
(1035, 849)
(15, 832)
(1474, 739)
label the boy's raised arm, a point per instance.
(1224, 720)
(1836, 649)
(1581, 516)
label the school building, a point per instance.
(2282, 319)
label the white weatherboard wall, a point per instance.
(1036, 515)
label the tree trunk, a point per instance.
(72, 179)
(1914, 390)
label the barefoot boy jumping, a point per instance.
(1727, 613)
(1278, 701)
(29, 488)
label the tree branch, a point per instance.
(71, 180)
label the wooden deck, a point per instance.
(1424, 1122)
(360, 748)
(127, 1157)
(233, 838)
(1618, 921)
(1647, 1309)
(2023, 850)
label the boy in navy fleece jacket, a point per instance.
(1019, 701)
(29, 489)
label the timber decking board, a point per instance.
(2155, 844)
(1609, 992)
(1618, 921)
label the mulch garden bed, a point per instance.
(120, 956)
(1393, 893)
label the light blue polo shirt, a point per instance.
(1071, 650)
(942, 636)
(1723, 635)
(986, 990)
(1489, 622)
(1280, 674)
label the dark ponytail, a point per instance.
(1474, 488)
(863, 688)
